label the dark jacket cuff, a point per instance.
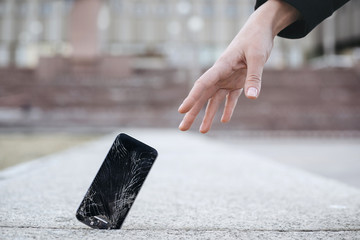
(312, 13)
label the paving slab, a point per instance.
(198, 188)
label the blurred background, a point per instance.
(73, 70)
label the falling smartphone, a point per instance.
(117, 183)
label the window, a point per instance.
(21, 8)
(139, 9)
(68, 5)
(231, 8)
(2, 8)
(162, 8)
(208, 8)
(45, 9)
(116, 5)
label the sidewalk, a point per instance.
(198, 189)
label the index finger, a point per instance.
(200, 86)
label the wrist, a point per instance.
(276, 14)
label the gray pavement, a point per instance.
(199, 188)
(332, 157)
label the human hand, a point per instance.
(239, 67)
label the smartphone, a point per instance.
(117, 183)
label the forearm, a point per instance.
(264, 24)
(312, 12)
(274, 15)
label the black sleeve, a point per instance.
(312, 13)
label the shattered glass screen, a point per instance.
(116, 185)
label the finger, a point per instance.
(194, 95)
(255, 66)
(230, 104)
(213, 105)
(191, 115)
(206, 81)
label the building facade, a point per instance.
(179, 30)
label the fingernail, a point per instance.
(252, 92)
(181, 124)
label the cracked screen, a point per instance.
(116, 185)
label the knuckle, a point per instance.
(260, 55)
(190, 119)
(226, 63)
(190, 116)
(199, 83)
(190, 99)
(253, 78)
(223, 59)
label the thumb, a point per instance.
(255, 66)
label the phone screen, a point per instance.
(117, 183)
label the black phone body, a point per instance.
(117, 183)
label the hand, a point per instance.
(239, 67)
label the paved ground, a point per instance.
(332, 157)
(198, 189)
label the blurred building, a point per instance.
(336, 42)
(184, 32)
(33, 28)
(131, 62)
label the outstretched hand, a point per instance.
(239, 67)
